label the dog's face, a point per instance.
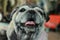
(28, 22)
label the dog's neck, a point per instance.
(26, 36)
(41, 36)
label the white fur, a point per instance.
(12, 27)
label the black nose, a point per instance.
(31, 15)
(30, 19)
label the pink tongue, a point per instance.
(29, 23)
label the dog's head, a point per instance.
(28, 22)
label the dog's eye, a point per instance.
(22, 10)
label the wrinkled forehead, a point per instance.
(27, 8)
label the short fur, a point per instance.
(14, 33)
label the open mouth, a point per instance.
(30, 23)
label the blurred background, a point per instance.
(51, 7)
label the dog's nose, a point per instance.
(31, 18)
(31, 14)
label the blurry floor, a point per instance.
(54, 36)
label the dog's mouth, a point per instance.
(30, 23)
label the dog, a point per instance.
(27, 24)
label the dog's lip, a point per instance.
(30, 23)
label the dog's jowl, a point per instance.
(27, 24)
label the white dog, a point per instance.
(27, 24)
